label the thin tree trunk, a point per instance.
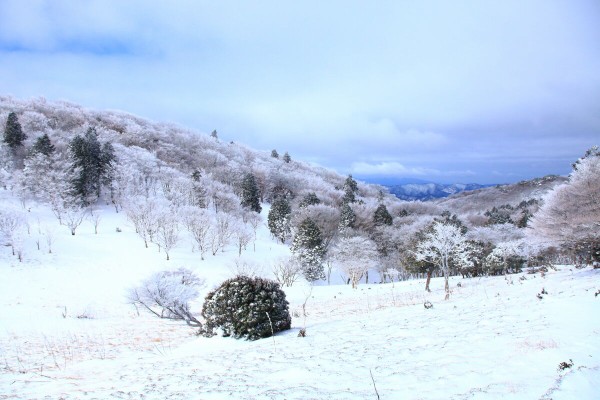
(428, 280)
(446, 286)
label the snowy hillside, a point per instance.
(66, 330)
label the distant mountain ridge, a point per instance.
(431, 191)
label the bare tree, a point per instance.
(95, 217)
(10, 223)
(222, 233)
(287, 270)
(167, 232)
(242, 236)
(50, 235)
(73, 217)
(198, 222)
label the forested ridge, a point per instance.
(171, 181)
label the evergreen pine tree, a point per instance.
(13, 133)
(310, 199)
(308, 247)
(381, 216)
(286, 158)
(347, 217)
(278, 219)
(91, 166)
(274, 153)
(43, 145)
(350, 190)
(250, 193)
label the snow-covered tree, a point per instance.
(167, 231)
(442, 244)
(347, 217)
(250, 193)
(382, 216)
(354, 256)
(506, 256)
(198, 223)
(168, 294)
(43, 145)
(310, 199)
(307, 245)
(73, 216)
(10, 223)
(350, 190)
(242, 235)
(278, 219)
(570, 214)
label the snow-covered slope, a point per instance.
(66, 330)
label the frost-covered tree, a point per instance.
(274, 153)
(441, 245)
(167, 231)
(506, 257)
(307, 245)
(73, 217)
(278, 219)
(168, 294)
(10, 223)
(347, 217)
(198, 223)
(242, 236)
(13, 132)
(286, 158)
(222, 232)
(382, 216)
(570, 214)
(250, 193)
(354, 256)
(350, 189)
(310, 199)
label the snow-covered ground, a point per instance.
(67, 332)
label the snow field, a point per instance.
(67, 332)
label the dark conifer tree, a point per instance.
(43, 145)
(310, 199)
(350, 190)
(381, 216)
(250, 193)
(347, 217)
(286, 158)
(13, 133)
(274, 153)
(91, 166)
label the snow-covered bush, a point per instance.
(245, 307)
(167, 294)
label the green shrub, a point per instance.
(245, 307)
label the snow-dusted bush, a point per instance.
(167, 294)
(245, 307)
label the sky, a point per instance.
(444, 91)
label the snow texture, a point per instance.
(67, 331)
